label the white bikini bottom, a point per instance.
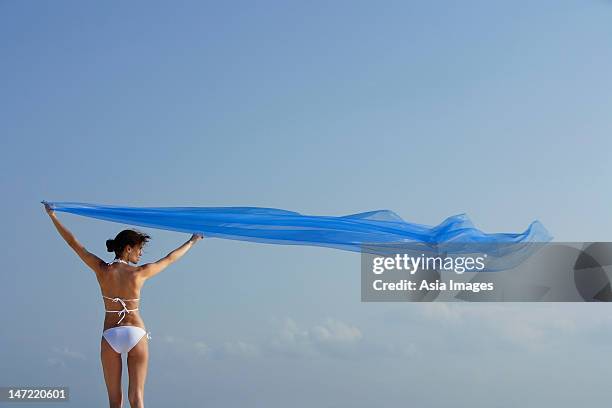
(123, 338)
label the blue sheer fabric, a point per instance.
(349, 232)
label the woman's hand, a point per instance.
(48, 209)
(196, 237)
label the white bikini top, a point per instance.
(123, 312)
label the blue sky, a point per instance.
(496, 109)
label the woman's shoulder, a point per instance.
(115, 273)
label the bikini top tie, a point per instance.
(123, 312)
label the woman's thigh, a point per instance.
(111, 365)
(138, 361)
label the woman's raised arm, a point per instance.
(151, 269)
(90, 259)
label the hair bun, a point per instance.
(110, 245)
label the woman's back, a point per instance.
(120, 285)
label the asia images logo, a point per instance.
(412, 264)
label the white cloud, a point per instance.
(530, 326)
(335, 331)
(62, 357)
(70, 354)
(202, 349)
(441, 311)
(332, 337)
(239, 349)
(56, 362)
(168, 339)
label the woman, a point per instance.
(120, 283)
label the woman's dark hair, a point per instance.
(124, 238)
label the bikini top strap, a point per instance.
(123, 312)
(117, 299)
